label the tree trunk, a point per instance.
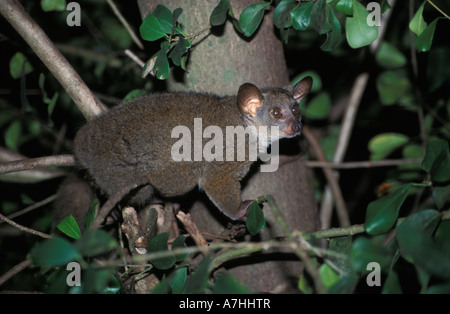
(219, 63)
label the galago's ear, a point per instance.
(249, 99)
(302, 88)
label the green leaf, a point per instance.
(13, 134)
(255, 219)
(251, 17)
(69, 227)
(425, 39)
(413, 151)
(381, 145)
(99, 281)
(159, 245)
(341, 246)
(54, 252)
(135, 93)
(178, 281)
(359, 33)
(181, 49)
(304, 285)
(414, 237)
(365, 251)
(162, 287)
(385, 6)
(426, 220)
(165, 18)
(320, 17)
(224, 283)
(319, 107)
(346, 285)
(94, 242)
(219, 14)
(19, 65)
(151, 29)
(392, 283)
(281, 15)
(198, 281)
(442, 233)
(392, 87)
(334, 36)
(53, 5)
(178, 243)
(301, 16)
(382, 213)
(235, 21)
(328, 276)
(389, 56)
(345, 6)
(437, 160)
(176, 14)
(161, 67)
(51, 102)
(90, 215)
(418, 24)
(441, 196)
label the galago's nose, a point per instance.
(296, 128)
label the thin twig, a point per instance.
(437, 8)
(355, 229)
(415, 68)
(26, 229)
(125, 24)
(362, 164)
(109, 205)
(27, 176)
(331, 178)
(356, 94)
(40, 162)
(134, 57)
(32, 207)
(299, 250)
(14, 271)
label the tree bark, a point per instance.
(219, 63)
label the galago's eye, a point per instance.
(296, 110)
(276, 113)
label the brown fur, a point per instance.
(131, 145)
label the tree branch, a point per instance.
(124, 22)
(332, 181)
(355, 229)
(32, 207)
(356, 94)
(14, 271)
(298, 246)
(26, 229)
(28, 164)
(362, 164)
(87, 102)
(26, 176)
